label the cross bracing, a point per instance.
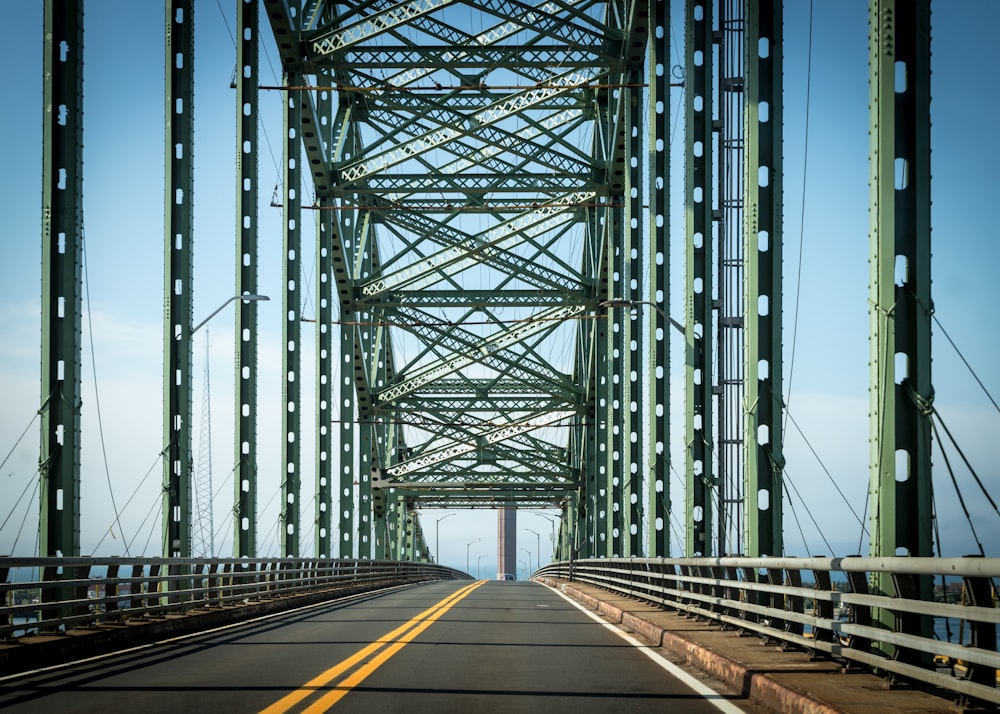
(471, 169)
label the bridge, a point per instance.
(519, 258)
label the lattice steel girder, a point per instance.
(699, 274)
(493, 345)
(178, 278)
(486, 117)
(763, 250)
(62, 261)
(424, 299)
(457, 258)
(401, 57)
(517, 17)
(543, 276)
(900, 300)
(489, 436)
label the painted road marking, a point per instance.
(709, 694)
(390, 644)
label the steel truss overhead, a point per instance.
(480, 168)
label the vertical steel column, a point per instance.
(245, 522)
(730, 269)
(62, 256)
(633, 399)
(178, 278)
(325, 235)
(348, 455)
(764, 459)
(900, 288)
(601, 496)
(617, 456)
(658, 456)
(292, 333)
(699, 270)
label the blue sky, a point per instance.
(123, 190)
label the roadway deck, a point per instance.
(778, 679)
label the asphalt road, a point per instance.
(440, 647)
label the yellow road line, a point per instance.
(290, 700)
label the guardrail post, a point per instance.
(822, 609)
(111, 589)
(860, 614)
(749, 576)
(794, 603)
(908, 588)
(980, 592)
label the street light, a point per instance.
(552, 522)
(177, 456)
(469, 545)
(530, 569)
(437, 536)
(234, 298)
(525, 566)
(538, 546)
(479, 562)
(622, 302)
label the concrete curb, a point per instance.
(757, 686)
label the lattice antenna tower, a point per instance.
(204, 522)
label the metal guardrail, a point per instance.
(796, 601)
(55, 594)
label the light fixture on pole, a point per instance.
(538, 546)
(437, 537)
(234, 298)
(621, 302)
(177, 465)
(469, 545)
(479, 563)
(530, 568)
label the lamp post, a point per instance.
(525, 566)
(479, 563)
(437, 537)
(530, 569)
(622, 302)
(538, 546)
(467, 546)
(177, 467)
(552, 538)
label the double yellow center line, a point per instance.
(370, 658)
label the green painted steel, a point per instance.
(289, 520)
(62, 263)
(764, 460)
(730, 262)
(476, 192)
(178, 278)
(699, 472)
(324, 386)
(247, 51)
(902, 394)
(658, 262)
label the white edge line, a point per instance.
(711, 696)
(199, 633)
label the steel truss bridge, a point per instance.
(485, 186)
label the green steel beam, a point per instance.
(658, 260)
(454, 210)
(291, 431)
(62, 262)
(699, 271)
(634, 232)
(325, 375)
(247, 50)
(349, 439)
(764, 459)
(178, 278)
(902, 394)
